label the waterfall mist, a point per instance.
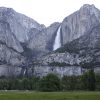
(57, 42)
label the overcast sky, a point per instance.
(47, 11)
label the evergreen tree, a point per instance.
(91, 80)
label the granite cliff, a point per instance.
(27, 47)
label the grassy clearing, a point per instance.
(49, 96)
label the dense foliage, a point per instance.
(51, 82)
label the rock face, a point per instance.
(22, 39)
(7, 70)
(60, 71)
(14, 30)
(41, 42)
(84, 52)
(80, 22)
(81, 38)
(19, 23)
(86, 46)
(72, 27)
(10, 51)
(8, 38)
(10, 47)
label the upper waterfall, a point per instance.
(57, 42)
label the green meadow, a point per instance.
(17, 95)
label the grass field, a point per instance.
(14, 95)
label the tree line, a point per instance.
(89, 81)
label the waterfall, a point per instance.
(24, 72)
(57, 42)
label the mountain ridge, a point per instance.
(28, 45)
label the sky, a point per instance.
(47, 11)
